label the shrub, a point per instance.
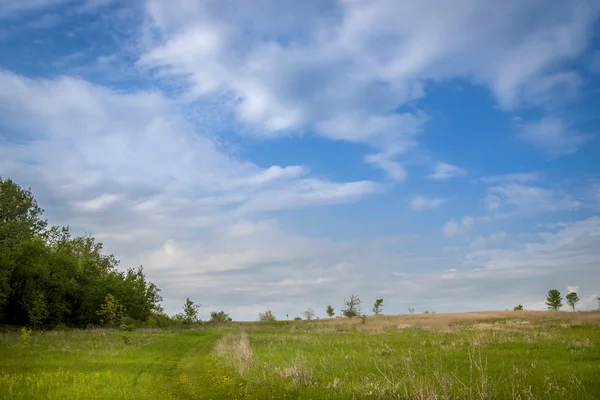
(266, 316)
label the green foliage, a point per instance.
(49, 278)
(378, 306)
(330, 311)
(219, 316)
(598, 300)
(518, 308)
(267, 316)
(572, 300)
(351, 306)
(309, 314)
(23, 345)
(554, 300)
(297, 319)
(111, 311)
(190, 311)
(411, 310)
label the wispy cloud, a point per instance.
(453, 228)
(422, 203)
(553, 136)
(442, 171)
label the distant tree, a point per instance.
(309, 314)
(518, 308)
(378, 306)
(297, 319)
(330, 311)
(111, 312)
(352, 307)
(267, 316)
(572, 300)
(554, 300)
(190, 311)
(219, 316)
(598, 299)
(411, 310)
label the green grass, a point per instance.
(495, 359)
(105, 364)
(463, 356)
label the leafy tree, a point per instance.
(572, 300)
(309, 314)
(351, 306)
(20, 221)
(330, 311)
(48, 277)
(518, 308)
(267, 316)
(190, 311)
(598, 299)
(411, 310)
(378, 306)
(111, 311)
(219, 316)
(554, 300)
(297, 319)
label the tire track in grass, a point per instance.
(187, 378)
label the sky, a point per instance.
(283, 155)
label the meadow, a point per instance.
(489, 355)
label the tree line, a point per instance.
(48, 277)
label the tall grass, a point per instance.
(533, 356)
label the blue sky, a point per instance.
(285, 155)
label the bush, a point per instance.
(267, 316)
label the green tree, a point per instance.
(572, 300)
(219, 316)
(518, 308)
(111, 312)
(309, 314)
(378, 306)
(20, 221)
(330, 311)
(352, 306)
(267, 316)
(190, 311)
(598, 300)
(554, 300)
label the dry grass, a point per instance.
(234, 350)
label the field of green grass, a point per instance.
(495, 355)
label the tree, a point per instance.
(518, 308)
(219, 316)
(309, 314)
(330, 311)
(572, 300)
(190, 311)
(20, 221)
(111, 311)
(411, 310)
(598, 299)
(352, 306)
(267, 316)
(378, 306)
(554, 300)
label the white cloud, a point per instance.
(483, 241)
(342, 69)
(443, 171)
(523, 198)
(453, 228)
(553, 136)
(422, 203)
(519, 177)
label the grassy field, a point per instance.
(495, 355)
